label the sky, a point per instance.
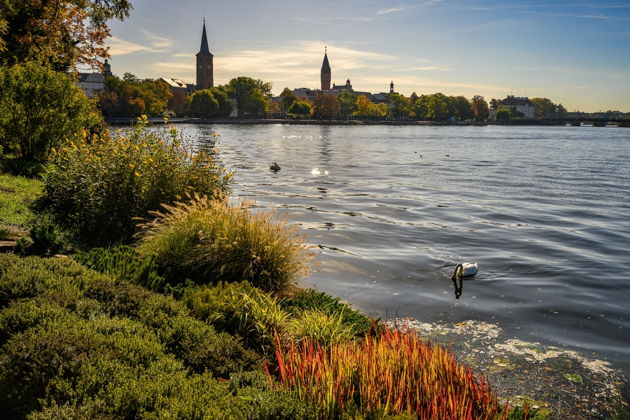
(574, 52)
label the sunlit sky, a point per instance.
(573, 52)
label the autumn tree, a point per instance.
(479, 108)
(326, 106)
(62, 33)
(251, 95)
(130, 97)
(347, 103)
(178, 103)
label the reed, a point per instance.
(392, 373)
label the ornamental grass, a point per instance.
(98, 185)
(209, 240)
(392, 373)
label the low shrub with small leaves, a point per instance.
(97, 186)
(74, 342)
(209, 240)
(124, 263)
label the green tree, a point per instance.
(131, 97)
(462, 107)
(365, 108)
(479, 108)
(437, 107)
(62, 33)
(251, 95)
(41, 109)
(347, 103)
(546, 108)
(225, 107)
(203, 104)
(287, 97)
(301, 108)
(326, 106)
(397, 106)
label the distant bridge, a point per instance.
(597, 119)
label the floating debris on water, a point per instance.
(567, 383)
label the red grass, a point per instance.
(393, 373)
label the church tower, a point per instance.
(326, 75)
(205, 70)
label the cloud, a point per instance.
(392, 10)
(118, 46)
(155, 40)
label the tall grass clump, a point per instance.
(390, 374)
(98, 185)
(208, 240)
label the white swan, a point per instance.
(465, 270)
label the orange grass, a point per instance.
(393, 373)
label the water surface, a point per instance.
(390, 210)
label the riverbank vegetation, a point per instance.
(137, 288)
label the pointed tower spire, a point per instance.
(205, 66)
(204, 41)
(326, 74)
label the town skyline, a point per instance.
(374, 45)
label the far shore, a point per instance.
(353, 122)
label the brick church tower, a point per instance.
(326, 74)
(205, 77)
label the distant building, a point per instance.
(205, 66)
(520, 104)
(179, 86)
(91, 83)
(347, 86)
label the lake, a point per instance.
(390, 211)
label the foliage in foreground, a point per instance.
(241, 309)
(79, 344)
(97, 187)
(41, 109)
(392, 373)
(209, 240)
(16, 196)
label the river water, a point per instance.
(391, 210)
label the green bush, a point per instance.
(209, 240)
(41, 109)
(98, 187)
(220, 305)
(311, 299)
(123, 263)
(45, 238)
(194, 342)
(321, 327)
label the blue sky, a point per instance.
(573, 52)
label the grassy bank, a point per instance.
(18, 193)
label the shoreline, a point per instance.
(353, 122)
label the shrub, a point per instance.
(320, 327)
(311, 299)
(97, 187)
(193, 342)
(41, 109)
(45, 238)
(221, 305)
(209, 240)
(392, 373)
(123, 263)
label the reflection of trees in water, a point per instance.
(325, 149)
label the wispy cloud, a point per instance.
(118, 46)
(392, 10)
(155, 40)
(153, 44)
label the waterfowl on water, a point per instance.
(465, 270)
(275, 167)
